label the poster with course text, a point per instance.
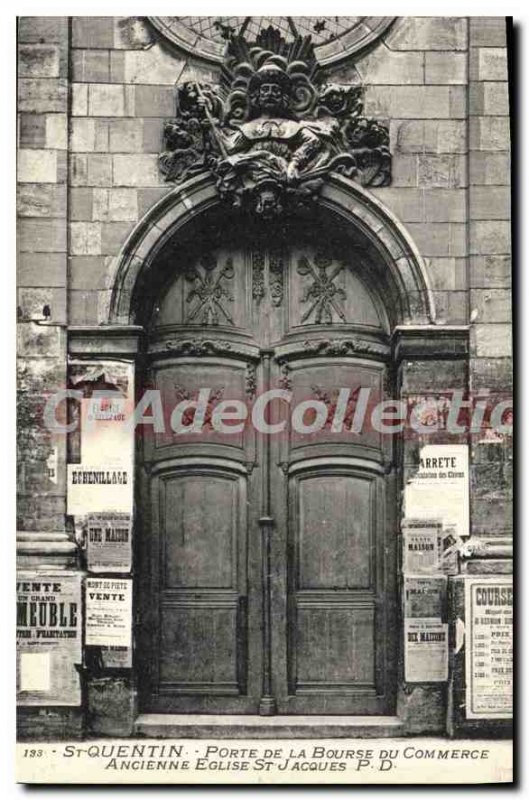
(489, 647)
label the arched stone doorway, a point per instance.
(266, 564)
(398, 257)
(384, 278)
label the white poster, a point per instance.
(49, 625)
(108, 542)
(105, 427)
(425, 596)
(108, 612)
(489, 647)
(98, 487)
(103, 480)
(440, 487)
(421, 545)
(425, 650)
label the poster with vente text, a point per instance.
(49, 634)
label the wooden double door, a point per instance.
(265, 560)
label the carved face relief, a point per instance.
(267, 203)
(271, 98)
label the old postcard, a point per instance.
(265, 400)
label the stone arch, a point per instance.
(345, 199)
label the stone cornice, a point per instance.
(45, 547)
(353, 345)
(102, 341)
(430, 342)
(171, 345)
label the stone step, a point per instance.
(231, 726)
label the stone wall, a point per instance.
(122, 91)
(43, 57)
(416, 79)
(489, 240)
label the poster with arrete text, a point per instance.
(439, 487)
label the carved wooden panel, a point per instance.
(210, 290)
(335, 647)
(182, 379)
(321, 380)
(199, 648)
(325, 290)
(202, 583)
(270, 290)
(200, 547)
(335, 533)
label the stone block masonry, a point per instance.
(43, 53)
(489, 240)
(122, 92)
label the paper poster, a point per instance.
(421, 545)
(489, 647)
(440, 487)
(98, 487)
(108, 542)
(425, 650)
(451, 544)
(49, 625)
(105, 427)
(425, 596)
(109, 616)
(103, 478)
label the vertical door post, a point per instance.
(267, 704)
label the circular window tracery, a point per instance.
(334, 38)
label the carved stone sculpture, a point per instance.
(271, 132)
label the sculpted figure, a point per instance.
(272, 147)
(269, 134)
